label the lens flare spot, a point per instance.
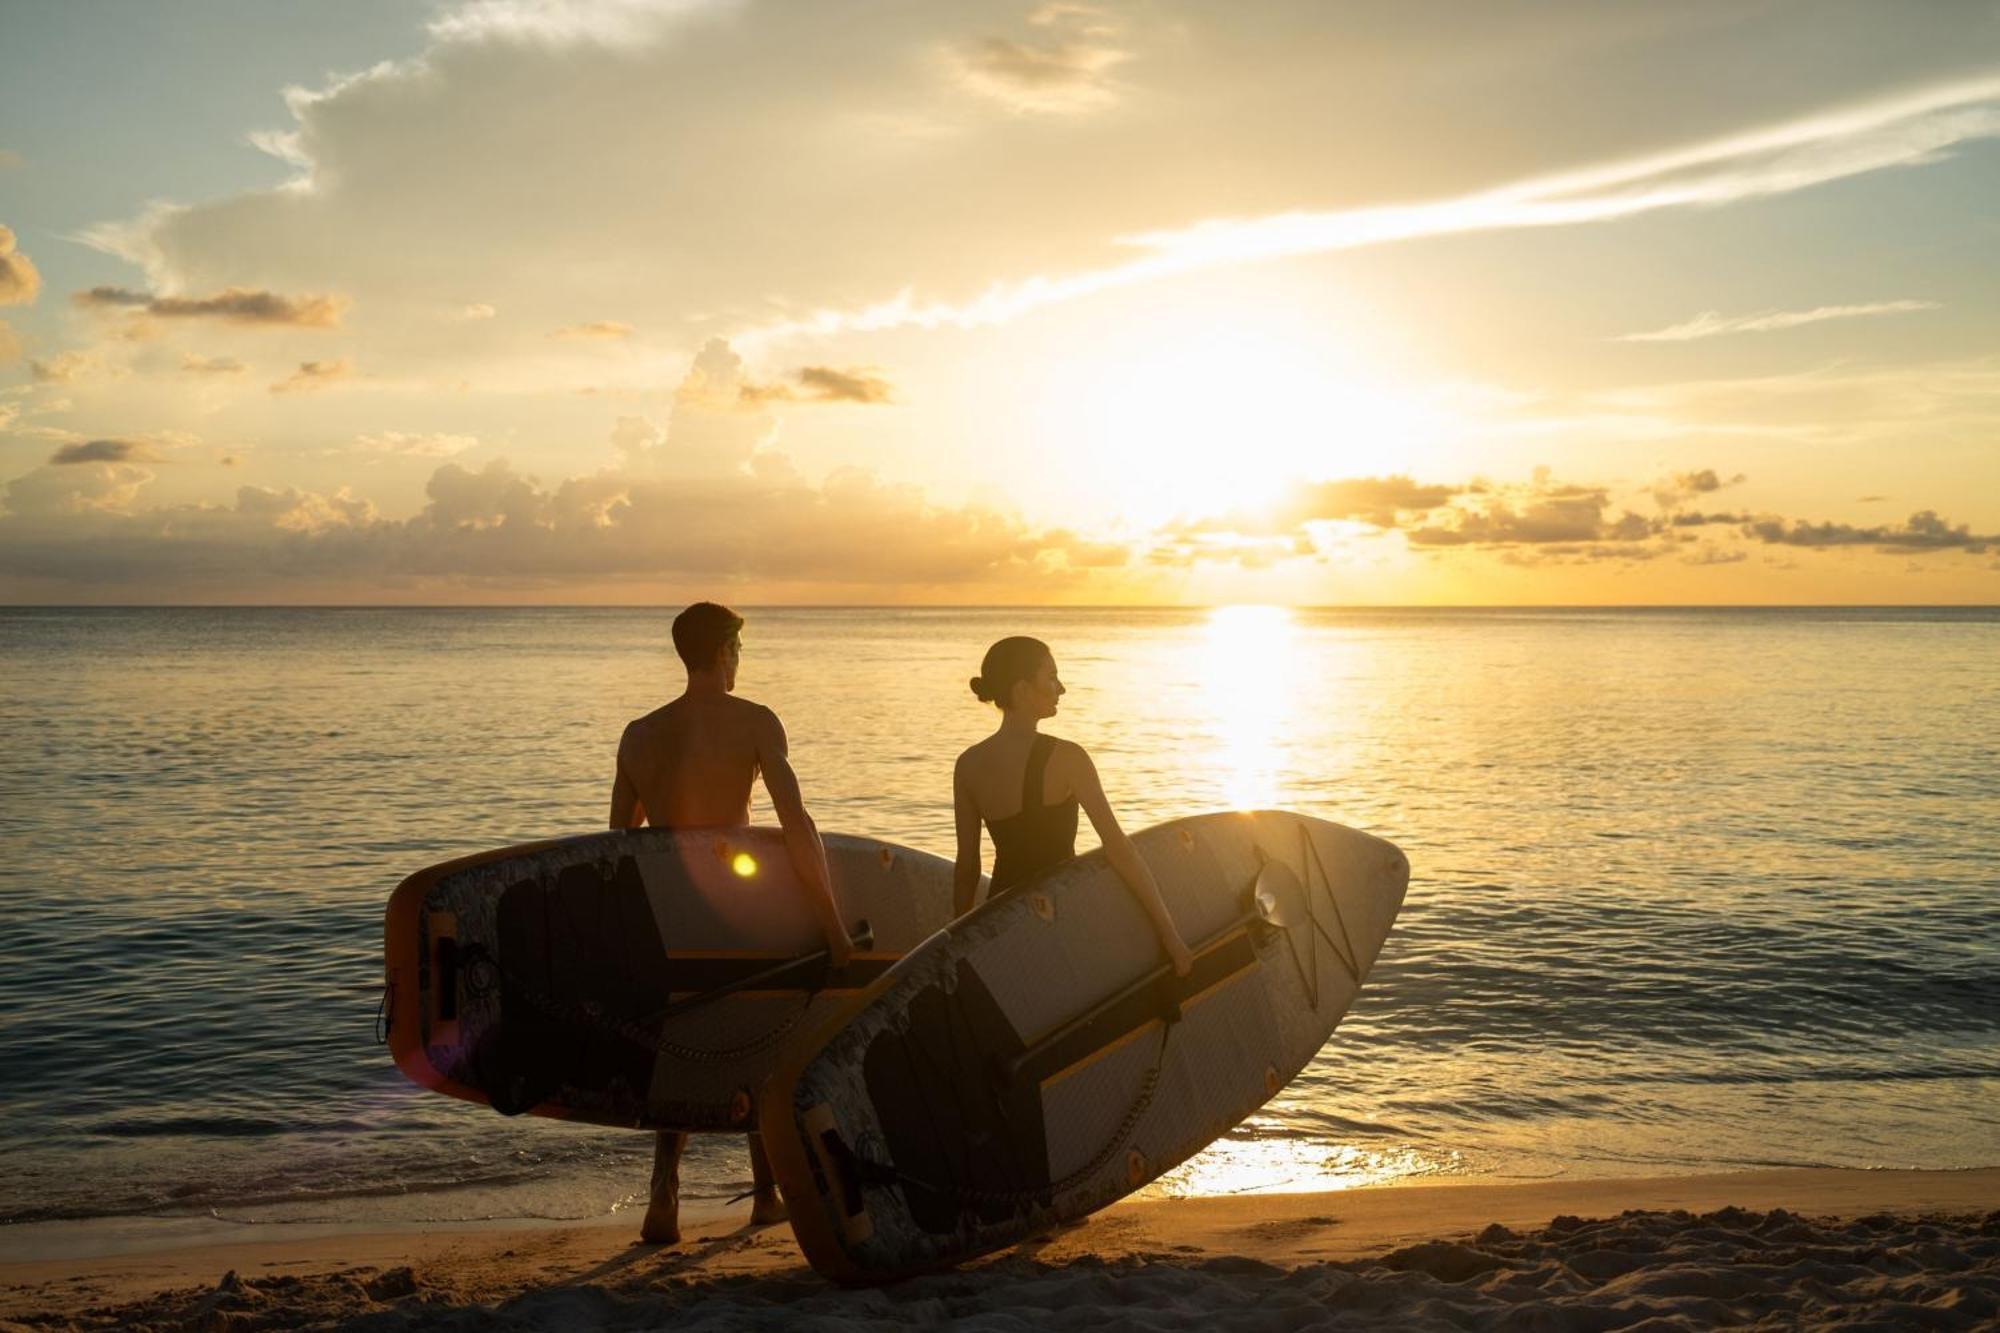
(743, 864)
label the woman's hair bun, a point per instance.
(1008, 663)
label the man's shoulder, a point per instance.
(750, 708)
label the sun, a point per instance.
(1210, 417)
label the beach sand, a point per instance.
(1809, 1248)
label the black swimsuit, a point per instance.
(1040, 836)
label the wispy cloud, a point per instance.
(103, 451)
(235, 305)
(1908, 130)
(1712, 324)
(824, 384)
(600, 329)
(564, 23)
(312, 376)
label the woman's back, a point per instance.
(1039, 833)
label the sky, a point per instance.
(891, 301)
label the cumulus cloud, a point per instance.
(603, 329)
(234, 305)
(701, 499)
(312, 376)
(1673, 491)
(1711, 324)
(1062, 68)
(1923, 531)
(103, 451)
(56, 491)
(20, 283)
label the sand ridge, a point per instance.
(1896, 1250)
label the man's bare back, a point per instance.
(690, 763)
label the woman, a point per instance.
(1027, 786)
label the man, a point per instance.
(690, 764)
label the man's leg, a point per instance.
(765, 1205)
(663, 1211)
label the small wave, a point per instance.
(221, 1127)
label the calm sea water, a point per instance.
(1692, 890)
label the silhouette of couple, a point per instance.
(690, 764)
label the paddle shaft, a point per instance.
(863, 937)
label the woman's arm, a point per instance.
(1125, 859)
(964, 869)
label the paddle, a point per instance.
(1267, 906)
(863, 937)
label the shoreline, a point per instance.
(120, 1271)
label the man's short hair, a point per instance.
(701, 631)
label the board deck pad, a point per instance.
(545, 978)
(1038, 1060)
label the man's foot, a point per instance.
(766, 1209)
(661, 1227)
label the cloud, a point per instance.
(235, 305)
(434, 445)
(1907, 129)
(1923, 531)
(477, 310)
(824, 384)
(312, 376)
(103, 451)
(1063, 69)
(1545, 513)
(195, 364)
(1711, 324)
(20, 283)
(1377, 500)
(567, 23)
(72, 366)
(61, 492)
(10, 344)
(1676, 490)
(603, 328)
(702, 500)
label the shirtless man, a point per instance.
(690, 764)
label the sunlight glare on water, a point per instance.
(1249, 669)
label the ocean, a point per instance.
(1691, 890)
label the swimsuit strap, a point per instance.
(1034, 778)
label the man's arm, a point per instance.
(626, 809)
(965, 868)
(802, 842)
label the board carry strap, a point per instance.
(1168, 989)
(863, 937)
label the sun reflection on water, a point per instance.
(1290, 1165)
(1249, 679)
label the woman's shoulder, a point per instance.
(1067, 753)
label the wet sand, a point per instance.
(1812, 1248)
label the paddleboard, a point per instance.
(1039, 1060)
(647, 978)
